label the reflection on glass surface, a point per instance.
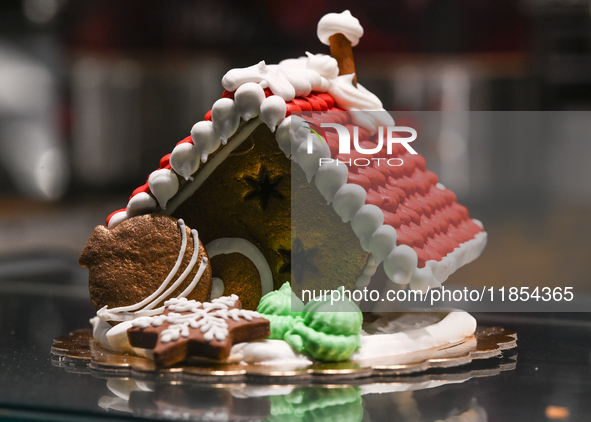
(275, 402)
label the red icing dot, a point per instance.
(430, 223)
(404, 216)
(376, 177)
(207, 116)
(374, 198)
(112, 214)
(432, 252)
(409, 165)
(321, 102)
(302, 104)
(165, 161)
(429, 229)
(268, 92)
(401, 194)
(391, 219)
(402, 238)
(391, 200)
(360, 180)
(420, 162)
(414, 216)
(422, 256)
(431, 177)
(291, 108)
(143, 188)
(332, 140)
(439, 247)
(396, 171)
(423, 231)
(228, 94)
(314, 103)
(327, 99)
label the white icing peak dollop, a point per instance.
(339, 23)
(184, 159)
(164, 185)
(326, 66)
(285, 81)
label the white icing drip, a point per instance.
(141, 203)
(273, 111)
(184, 159)
(348, 200)
(339, 23)
(283, 136)
(248, 98)
(366, 221)
(298, 133)
(382, 242)
(368, 271)
(229, 245)
(330, 178)
(309, 162)
(225, 118)
(205, 138)
(400, 264)
(164, 185)
(116, 219)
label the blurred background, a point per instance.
(93, 93)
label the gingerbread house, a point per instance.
(247, 180)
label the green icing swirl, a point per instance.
(323, 330)
(312, 404)
(277, 308)
(319, 345)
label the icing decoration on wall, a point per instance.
(146, 306)
(229, 245)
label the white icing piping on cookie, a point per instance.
(227, 245)
(210, 317)
(145, 306)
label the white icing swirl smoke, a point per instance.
(339, 23)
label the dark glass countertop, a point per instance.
(547, 376)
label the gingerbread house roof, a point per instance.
(401, 214)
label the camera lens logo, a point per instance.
(316, 130)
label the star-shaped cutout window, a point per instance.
(297, 261)
(263, 186)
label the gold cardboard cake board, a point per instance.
(78, 352)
